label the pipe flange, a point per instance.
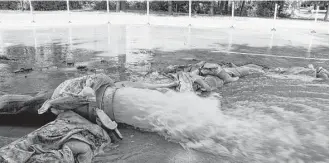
(107, 101)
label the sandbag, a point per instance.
(47, 144)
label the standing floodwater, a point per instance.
(261, 119)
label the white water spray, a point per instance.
(245, 134)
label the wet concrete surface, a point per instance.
(123, 52)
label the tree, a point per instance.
(117, 6)
(170, 10)
(212, 7)
(241, 12)
(123, 5)
(226, 3)
(327, 13)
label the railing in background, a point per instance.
(232, 23)
(148, 13)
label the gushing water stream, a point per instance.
(249, 131)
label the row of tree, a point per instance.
(220, 7)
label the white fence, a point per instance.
(107, 17)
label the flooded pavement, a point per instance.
(290, 113)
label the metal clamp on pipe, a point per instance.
(101, 111)
(104, 96)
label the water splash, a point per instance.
(248, 132)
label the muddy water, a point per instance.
(279, 118)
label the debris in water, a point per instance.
(70, 62)
(93, 70)
(82, 68)
(3, 57)
(24, 69)
(103, 61)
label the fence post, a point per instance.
(316, 15)
(275, 13)
(148, 16)
(108, 11)
(31, 11)
(232, 14)
(190, 12)
(68, 8)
